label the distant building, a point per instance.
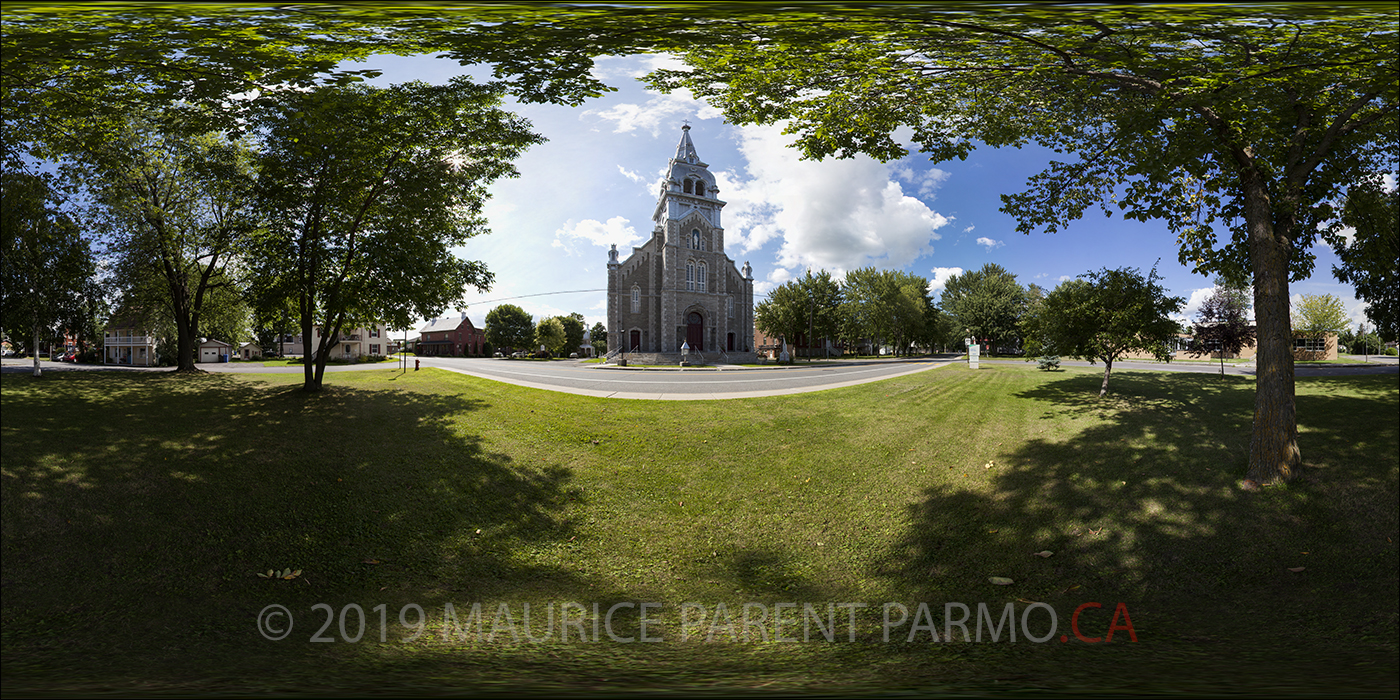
(354, 343)
(127, 341)
(1307, 347)
(451, 337)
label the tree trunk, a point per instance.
(38, 371)
(308, 371)
(1107, 369)
(185, 344)
(1273, 446)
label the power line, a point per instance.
(541, 294)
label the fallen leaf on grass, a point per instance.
(370, 561)
(1296, 569)
(1000, 581)
(1043, 554)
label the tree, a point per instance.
(823, 297)
(1033, 340)
(1223, 323)
(508, 327)
(551, 334)
(176, 208)
(1371, 258)
(367, 190)
(805, 308)
(884, 305)
(48, 267)
(573, 332)
(598, 337)
(1318, 314)
(986, 303)
(1106, 314)
(782, 314)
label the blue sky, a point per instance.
(594, 184)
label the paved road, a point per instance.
(700, 384)
(681, 385)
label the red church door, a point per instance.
(695, 332)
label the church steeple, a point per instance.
(685, 150)
(688, 187)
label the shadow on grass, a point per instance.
(138, 506)
(1141, 506)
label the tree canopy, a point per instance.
(986, 303)
(1106, 314)
(550, 333)
(1223, 325)
(508, 327)
(1316, 314)
(1371, 258)
(367, 190)
(46, 266)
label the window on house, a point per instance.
(636, 299)
(374, 332)
(701, 276)
(374, 349)
(690, 276)
(1310, 344)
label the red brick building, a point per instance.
(451, 337)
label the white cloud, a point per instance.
(990, 243)
(634, 177)
(615, 232)
(1388, 182)
(658, 111)
(1193, 303)
(969, 229)
(635, 66)
(836, 215)
(1065, 278)
(927, 181)
(940, 278)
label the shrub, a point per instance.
(1390, 351)
(1048, 362)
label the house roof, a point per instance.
(212, 342)
(448, 323)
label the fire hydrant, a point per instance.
(415, 364)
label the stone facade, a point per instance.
(679, 286)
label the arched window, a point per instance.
(690, 276)
(729, 307)
(699, 189)
(687, 187)
(701, 276)
(636, 299)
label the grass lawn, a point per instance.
(138, 508)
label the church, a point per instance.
(679, 286)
